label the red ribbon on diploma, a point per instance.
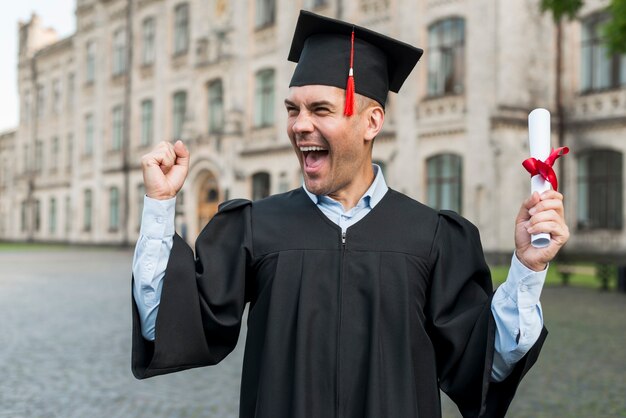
(544, 168)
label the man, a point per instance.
(363, 302)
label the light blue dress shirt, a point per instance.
(515, 304)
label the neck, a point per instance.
(350, 195)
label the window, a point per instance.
(68, 215)
(89, 134)
(70, 151)
(147, 53)
(24, 216)
(260, 185)
(41, 101)
(446, 57)
(70, 91)
(600, 190)
(598, 69)
(26, 160)
(37, 215)
(141, 192)
(264, 99)
(180, 106)
(118, 128)
(90, 62)
(265, 13)
(216, 107)
(119, 52)
(313, 4)
(39, 156)
(444, 182)
(54, 153)
(374, 6)
(114, 209)
(87, 209)
(56, 96)
(147, 124)
(53, 216)
(181, 29)
(25, 116)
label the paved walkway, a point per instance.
(65, 349)
(65, 345)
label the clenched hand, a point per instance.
(165, 169)
(540, 213)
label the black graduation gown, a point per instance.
(372, 327)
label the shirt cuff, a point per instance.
(523, 285)
(157, 219)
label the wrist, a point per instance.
(160, 196)
(534, 266)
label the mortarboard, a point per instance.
(324, 49)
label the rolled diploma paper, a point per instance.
(539, 141)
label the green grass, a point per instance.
(499, 273)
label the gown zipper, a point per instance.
(338, 387)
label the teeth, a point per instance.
(306, 149)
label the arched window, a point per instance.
(181, 28)
(264, 98)
(599, 70)
(114, 209)
(90, 62)
(52, 219)
(119, 52)
(147, 122)
(260, 185)
(265, 13)
(178, 113)
(216, 106)
(87, 210)
(446, 57)
(600, 190)
(148, 41)
(444, 177)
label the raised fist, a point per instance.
(165, 169)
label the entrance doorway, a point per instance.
(208, 199)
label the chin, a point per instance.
(315, 187)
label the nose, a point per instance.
(303, 123)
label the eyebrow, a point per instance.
(313, 104)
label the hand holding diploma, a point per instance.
(542, 214)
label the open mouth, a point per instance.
(314, 157)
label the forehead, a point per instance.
(315, 93)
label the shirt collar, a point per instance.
(374, 193)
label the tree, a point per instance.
(561, 8)
(614, 32)
(615, 29)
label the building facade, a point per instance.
(214, 73)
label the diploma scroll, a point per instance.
(539, 141)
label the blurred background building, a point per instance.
(214, 73)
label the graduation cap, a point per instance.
(335, 53)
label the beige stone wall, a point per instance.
(509, 70)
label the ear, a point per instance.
(375, 119)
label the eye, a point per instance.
(322, 110)
(292, 111)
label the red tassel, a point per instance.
(349, 109)
(349, 106)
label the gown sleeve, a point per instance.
(461, 324)
(202, 299)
